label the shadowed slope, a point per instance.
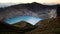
(8, 29)
(24, 26)
(48, 26)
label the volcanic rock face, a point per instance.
(58, 10)
(34, 9)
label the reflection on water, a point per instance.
(29, 19)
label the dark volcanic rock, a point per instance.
(58, 10)
(17, 28)
(24, 26)
(8, 29)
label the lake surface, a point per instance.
(30, 19)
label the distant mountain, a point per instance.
(29, 9)
(24, 26)
(48, 26)
(33, 6)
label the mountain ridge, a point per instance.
(30, 9)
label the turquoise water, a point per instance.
(30, 19)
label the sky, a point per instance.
(30, 19)
(7, 3)
(29, 1)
